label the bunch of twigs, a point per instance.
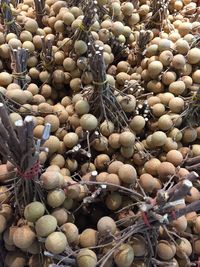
(9, 21)
(152, 214)
(83, 32)
(18, 146)
(140, 47)
(119, 50)
(46, 54)
(192, 164)
(159, 14)
(40, 11)
(19, 64)
(103, 102)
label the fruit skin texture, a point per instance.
(106, 224)
(88, 238)
(56, 242)
(124, 255)
(71, 232)
(34, 211)
(86, 258)
(184, 246)
(23, 237)
(88, 122)
(45, 225)
(127, 174)
(159, 138)
(165, 250)
(15, 259)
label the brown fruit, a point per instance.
(71, 232)
(175, 157)
(15, 259)
(86, 258)
(127, 174)
(106, 225)
(166, 250)
(165, 170)
(113, 201)
(124, 255)
(23, 237)
(184, 246)
(88, 238)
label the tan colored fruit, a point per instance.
(147, 181)
(71, 232)
(112, 179)
(139, 246)
(101, 161)
(107, 128)
(88, 238)
(114, 140)
(34, 211)
(166, 250)
(54, 121)
(158, 138)
(177, 88)
(86, 258)
(88, 122)
(127, 174)
(180, 224)
(15, 259)
(124, 255)
(178, 62)
(55, 198)
(80, 47)
(31, 25)
(194, 195)
(184, 246)
(53, 144)
(189, 135)
(166, 169)
(82, 107)
(127, 139)
(61, 215)
(114, 166)
(106, 225)
(193, 56)
(151, 166)
(70, 140)
(113, 201)
(50, 179)
(5, 79)
(23, 237)
(175, 157)
(56, 242)
(45, 225)
(155, 68)
(137, 123)
(100, 144)
(165, 122)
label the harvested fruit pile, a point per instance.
(99, 133)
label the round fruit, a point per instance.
(45, 225)
(56, 242)
(34, 211)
